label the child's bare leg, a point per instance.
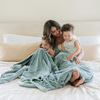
(75, 75)
(78, 82)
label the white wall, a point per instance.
(42, 10)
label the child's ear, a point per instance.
(73, 33)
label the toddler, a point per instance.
(70, 44)
(49, 45)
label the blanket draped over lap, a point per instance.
(43, 71)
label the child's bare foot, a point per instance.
(78, 82)
(75, 75)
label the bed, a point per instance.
(28, 35)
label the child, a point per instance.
(70, 44)
(49, 45)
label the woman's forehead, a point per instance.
(53, 28)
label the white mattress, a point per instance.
(87, 91)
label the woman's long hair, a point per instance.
(47, 29)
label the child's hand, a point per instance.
(70, 57)
(51, 51)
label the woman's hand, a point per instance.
(51, 51)
(77, 61)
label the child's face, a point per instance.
(68, 35)
(45, 45)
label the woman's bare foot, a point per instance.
(78, 82)
(75, 75)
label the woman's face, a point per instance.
(55, 31)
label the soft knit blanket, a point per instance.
(43, 71)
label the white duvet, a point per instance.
(87, 91)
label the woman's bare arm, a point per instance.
(79, 57)
(81, 54)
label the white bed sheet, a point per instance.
(87, 91)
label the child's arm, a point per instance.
(62, 46)
(51, 51)
(78, 50)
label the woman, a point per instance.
(52, 30)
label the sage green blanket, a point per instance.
(43, 71)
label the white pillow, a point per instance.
(89, 40)
(12, 38)
(75, 37)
